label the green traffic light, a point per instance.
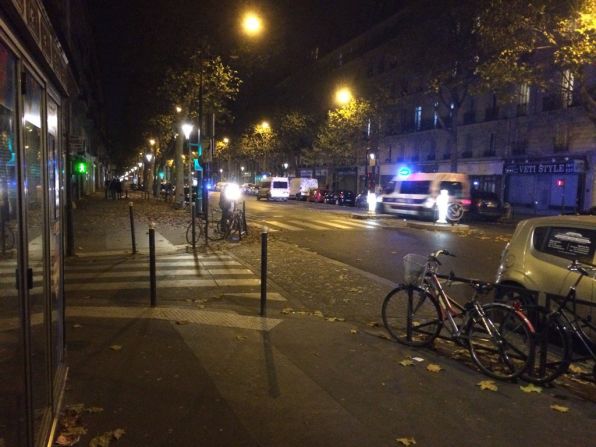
(81, 167)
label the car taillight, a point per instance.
(466, 202)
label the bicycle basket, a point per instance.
(414, 265)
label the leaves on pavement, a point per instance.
(576, 369)
(77, 325)
(241, 337)
(406, 362)
(353, 331)
(118, 433)
(559, 408)
(182, 322)
(93, 409)
(116, 347)
(488, 385)
(406, 441)
(434, 368)
(531, 388)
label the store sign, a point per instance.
(545, 167)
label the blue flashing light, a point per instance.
(404, 171)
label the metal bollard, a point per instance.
(264, 233)
(132, 228)
(152, 276)
(193, 213)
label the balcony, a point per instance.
(491, 114)
(469, 117)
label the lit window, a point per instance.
(418, 117)
(567, 88)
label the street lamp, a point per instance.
(343, 96)
(252, 24)
(285, 165)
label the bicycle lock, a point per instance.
(132, 228)
(264, 233)
(152, 276)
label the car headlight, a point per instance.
(429, 202)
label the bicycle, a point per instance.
(214, 233)
(557, 332)
(498, 337)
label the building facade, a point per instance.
(537, 150)
(38, 86)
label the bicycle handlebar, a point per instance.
(575, 266)
(434, 256)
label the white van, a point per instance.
(416, 194)
(300, 187)
(275, 188)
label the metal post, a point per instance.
(152, 278)
(132, 228)
(193, 213)
(264, 233)
(244, 217)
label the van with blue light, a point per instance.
(416, 194)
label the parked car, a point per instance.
(486, 205)
(539, 252)
(317, 195)
(219, 186)
(275, 189)
(341, 197)
(249, 189)
(300, 187)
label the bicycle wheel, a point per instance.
(455, 212)
(500, 341)
(551, 355)
(199, 224)
(412, 316)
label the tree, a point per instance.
(342, 140)
(259, 142)
(547, 43)
(296, 134)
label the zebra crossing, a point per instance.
(173, 271)
(317, 224)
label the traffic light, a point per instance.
(560, 182)
(80, 167)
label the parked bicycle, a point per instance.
(498, 336)
(231, 227)
(558, 331)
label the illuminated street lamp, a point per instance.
(343, 96)
(187, 129)
(149, 157)
(252, 24)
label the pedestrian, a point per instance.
(118, 189)
(112, 188)
(125, 187)
(225, 204)
(106, 187)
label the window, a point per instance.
(280, 184)
(561, 138)
(436, 114)
(414, 187)
(566, 242)
(567, 88)
(455, 188)
(418, 117)
(523, 99)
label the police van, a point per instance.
(416, 194)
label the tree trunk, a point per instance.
(179, 171)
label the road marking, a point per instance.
(336, 225)
(272, 296)
(163, 284)
(313, 226)
(283, 225)
(354, 224)
(162, 273)
(123, 265)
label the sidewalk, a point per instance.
(202, 369)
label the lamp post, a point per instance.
(285, 165)
(187, 130)
(148, 175)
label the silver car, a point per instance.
(540, 251)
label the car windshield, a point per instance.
(280, 184)
(414, 187)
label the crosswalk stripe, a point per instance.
(313, 226)
(180, 272)
(331, 224)
(283, 225)
(271, 296)
(354, 224)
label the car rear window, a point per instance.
(280, 184)
(566, 242)
(414, 187)
(455, 188)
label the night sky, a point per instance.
(137, 40)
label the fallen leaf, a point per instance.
(559, 408)
(577, 369)
(67, 439)
(241, 337)
(406, 441)
(531, 388)
(406, 362)
(487, 385)
(77, 325)
(101, 440)
(118, 433)
(182, 322)
(318, 313)
(372, 324)
(115, 347)
(432, 367)
(418, 359)
(93, 409)
(287, 311)
(353, 331)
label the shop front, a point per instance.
(545, 186)
(32, 367)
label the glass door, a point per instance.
(33, 202)
(13, 427)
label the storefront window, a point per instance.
(34, 193)
(12, 386)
